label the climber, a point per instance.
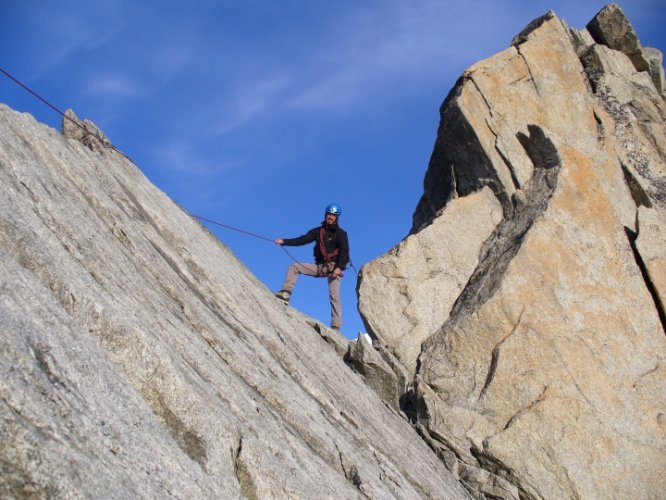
(331, 252)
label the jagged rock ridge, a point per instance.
(140, 359)
(528, 300)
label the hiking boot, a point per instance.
(283, 295)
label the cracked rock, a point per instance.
(541, 355)
(406, 295)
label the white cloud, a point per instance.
(182, 157)
(67, 32)
(251, 99)
(166, 57)
(378, 51)
(336, 91)
(112, 86)
(109, 39)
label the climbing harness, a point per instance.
(328, 256)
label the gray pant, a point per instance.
(317, 270)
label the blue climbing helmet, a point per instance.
(334, 208)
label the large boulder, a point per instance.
(611, 28)
(84, 131)
(418, 282)
(549, 369)
(381, 371)
(140, 359)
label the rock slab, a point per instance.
(140, 359)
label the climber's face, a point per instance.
(331, 218)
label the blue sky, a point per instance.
(259, 113)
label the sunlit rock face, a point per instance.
(140, 359)
(538, 353)
(408, 294)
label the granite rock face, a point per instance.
(140, 359)
(611, 28)
(540, 358)
(85, 132)
(380, 369)
(420, 279)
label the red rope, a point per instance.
(249, 233)
(105, 143)
(234, 228)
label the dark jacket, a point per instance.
(334, 237)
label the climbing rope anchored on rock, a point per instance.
(331, 256)
(90, 130)
(254, 235)
(243, 231)
(102, 140)
(331, 252)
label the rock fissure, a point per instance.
(529, 71)
(386, 474)
(652, 370)
(639, 195)
(351, 473)
(505, 241)
(647, 278)
(492, 368)
(539, 399)
(483, 97)
(499, 482)
(454, 184)
(185, 437)
(510, 167)
(601, 129)
(243, 476)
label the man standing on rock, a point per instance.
(331, 252)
